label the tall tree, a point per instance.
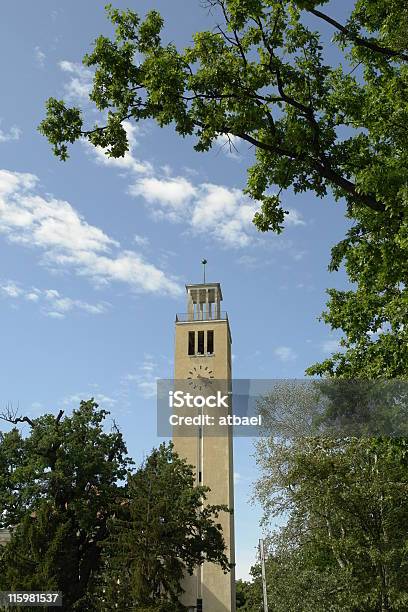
(262, 75)
(343, 547)
(163, 531)
(58, 487)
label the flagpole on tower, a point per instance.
(204, 262)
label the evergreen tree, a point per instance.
(163, 531)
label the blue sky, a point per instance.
(94, 255)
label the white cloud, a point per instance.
(299, 255)
(104, 401)
(55, 315)
(10, 289)
(39, 56)
(226, 213)
(214, 204)
(32, 296)
(141, 241)
(14, 133)
(145, 377)
(67, 240)
(63, 305)
(52, 303)
(285, 354)
(128, 162)
(222, 213)
(170, 196)
(294, 217)
(219, 212)
(214, 210)
(249, 261)
(332, 345)
(148, 388)
(80, 82)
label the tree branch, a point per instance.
(10, 416)
(322, 168)
(237, 43)
(358, 40)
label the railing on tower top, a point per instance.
(185, 317)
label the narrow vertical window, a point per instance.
(210, 342)
(200, 349)
(191, 343)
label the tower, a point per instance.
(202, 358)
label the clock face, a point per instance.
(200, 377)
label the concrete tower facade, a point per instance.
(203, 358)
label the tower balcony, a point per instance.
(189, 317)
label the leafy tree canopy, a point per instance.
(262, 75)
(58, 487)
(343, 545)
(248, 596)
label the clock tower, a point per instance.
(203, 361)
